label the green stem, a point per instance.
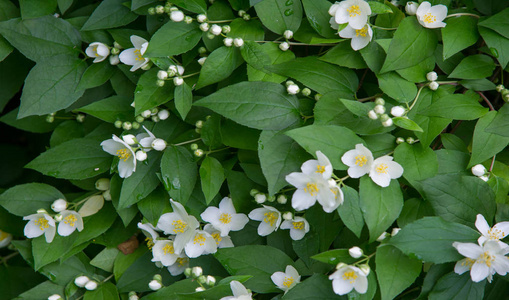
(463, 14)
(217, 150)
(295, 43)
(383, 28)
(6, 258)
(416, 97)
(186, 142)
(189, 75)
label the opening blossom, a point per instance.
(134, 56)
(347, 278)
(495, 233)
(353, 12)
(239, 292)
(270, 219)
(127, 159)
(179, 223)
(71, 221)
(150, 233)
(482, 261)
(39, 224)
(225, 218)
(97, 51)
(431, 16)
(298, 227)
(360, 37)
(287, 279)
(164, 252)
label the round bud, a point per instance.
(129, 139)
(107, 195)
(398, 111)
(42, 211)
(210, 36)
(172, 70)
(50, 119)
(288, 34)
(196, 272)
(188, 272)
(504, 92)
(201, 18)
(506, 97)
(500, 88)
(433, 85)
(118, 124)
(204, 27)
(5, 240)
(226, 29)
(365, 269)
(162, 74)
(146, 113)
(202, 60)
(167, 8)
(91, 285)
(147, 66)
(246, 17)
(80, 118)
(289, 82)
(318, 96)
(139, 119)
(133, 296)
(163, 114)
(202, 50)
(201, 279)
(372, 115)
(102, 184)
(411, 8)
(387, 123)
(178, 81)
(136, 125)
(197, 130)
(177, 16)
(379, 101)
(400, 140)
(228, 42)
(410, 140)
(55, 297)
(432, 76)
(281, 199)
(241, 13)
(284, 46)
(293, 89)
(151, 11)
(180, 70)
(271, 198)
(355, 252)
(395, 231)
(382, 237)
(199, 124)
(127, 125)
(194, 146)
(379, 109)
(253, 192)
(198, 152)
(159, 144)
(155, 119)
(306, 92)
(115, 51)
(260, 198)
(288, 216)
(211, 280)
(58, 217)
(188, 20)
(216, 29)
(141, 155)
(157, 277)
(155, 285)
(59, 205)
(80, 281)
(384, 117)
(114, 60)
(478, 170)
(238, 42)
(159, 9)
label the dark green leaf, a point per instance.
(212, 177)
(109, 14)
(456, 106)
(350, 211)
(498, 45)
(25, 199)
(96, 75)
(317, 287)
(474, 67)
(457, 287)
(276, 57)
(179, 173)
(173, 39)
(343, 55)
(46, 253)
(396, 87)
(406, 123)
(485, 144)
(419, 163)
(219, 65)
(254, 55)
(498, 23)
(196, 6)
(318, 16)
(414, 209)
(459, 34)
(183, 99)
(500, 123)
(105, 291)
(111, 109)
(280, 15)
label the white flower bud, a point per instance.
(226, 29)
(293, 89)
(372, 115)
(159, 144)
(159, 9)
(141, 155)
(289, 82)
(332, 183)
(433, 85)
(478, 170)
(400, 140)
(432, 76)
(379, 101)
(199, 124)
(288, 216)
(238, 42)
(80, 281)
(484, 177)
(177, 16)
(379, 109)
(155, 285)
(201, 18)
(55, 297)
(147, 66)
(241, 13)
(163, 114)
(160, 83)
(204, 27)
(133, 296)
(59, 205)
(197, 272)
(387, 123)
(211, 280)
(365, 269)
(288, 34)
(107, 195)
(382, 237)
(151, 11)
(395, 231)
(202, 50)
(340, 265)
(228, 42)
(42, 211)
(172, 70)
(271, 198)
(246, 17)
(260, 198)
(202, 60)
(58, 217)
(284, 46)
(216, 29)
(80, 118)
(162, 74)
(500, 88)
(146, 113)
(355, 252)
(198, 152)
(129, 139)
(281, 199)
(114, 60)
(411, 8)
(178, 81)
(102, 184)
(188, 20)
(127, 125)
(91, 285)
(306, 92)
(199, 289)
(180, 70)
(398, 111)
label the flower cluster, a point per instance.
(487, 257)
(356, 13)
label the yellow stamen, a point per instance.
(217, 237)
(3, 235)
(182, 261)
(298, 225)
(168, 249)
(123, 154)
(137, 55)
(150, 243)
(200, 239)
(360, 160)
(179, 226)
(70, 220)
(311, 188)
(42, 223)
(382, 169)
(288, 281)
(95, 50)
(486, 258)
(429, 18)
(225, 218)
(468, 262)
(320, 169)
(353, 11)
(351, 276)
(362, 32)
(270, 217)
(495, 234)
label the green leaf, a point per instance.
(179, 173)
(329, 78)
(396, 87)
(406, 123)
(411, 44)
(316, 287)
(419, 163)
(41, 38)
(497, 44)
(154, 205)
(25, 199)
(395, 271)
(8, 10)
(500, 187)
(459, 198)
(111, 109)
(42, 291)
(457, 287)
(500, 123)
(280, 15)
(196, 6)
(148, 94)
(96, 224)
(498, 23)
(485, 144)
(414, 209)
(474, 67)
(318, 16)
(430, 239)
(105, 259)
(238, 136)
(334, 257)
(379, 8)
(256, 260)
(183, 99)
(254, 55)
(418, 72)
(357, 108)
(219, 65)
(109, 14)
(212, 177)
(343, 55)
(478, 84)
(96, 75)
(380, 206)
(260, 105)
(105, 291)
(350, 211)
(324, 138)
(47, 92)
(251, 30)
(459, 34)
(456, 106)
(36, 124)
(46, 253)
(276, 57)
(279, 155)
(33, 8)
(173, 38)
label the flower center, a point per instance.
(360, 160)
(495, 234)
(150, 243)
(382, 169)
(429, 18)
(182, 261)
(70, 220)
(288, 281)
(350, 276)
(95, 50)
(225, 218)
(353, 11)
(298, 225)
(179, 226)
(486, 258)
(168, 249)
(199, 239)
(137, 55)
(362, 32)
(42, 223)
(320, 169)
(3, 235)
(270, 218)
(311, 188)
(123, 154)
(217, 237)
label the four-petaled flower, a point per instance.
(127, 159)
(239, 292)
(179, 223)
(298, 227)
(134, 56)
(97, 51)
(225, 218)
(359, 161)
(201, 243)
(353, 12)
(431, 16)
(384, 169)
(71, 221)
(310, 188)
(482, 261)
(39, 224)
(495, 233)
(360, 37)
(270, 219)
(347, 278)
(287, 279)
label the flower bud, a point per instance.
(159, 9)
(188, 272)
(372, 115)
(379, 101)
(114, 60)
(91, 285)
(484, 177)
(146, 113)
(284, 46)
(204, 27)
(241, 13)
(287, 216)
(178, 81)
(162, 74)
(293, 89)
(102, 184)
(202, 60)
(379, 109)
(163, 114)
(107, 195)
(210, 36)
(80, 118)
(400, 140)
(194, 147)
(155, 285)
(253, 192)
(281, 199)
(411, 8)
(172, 70)
(118, 124)
(410, 140)
(289, 82)
(141, 155)
(246, 17)
(159, 144)
(201, 18)
(288, 34)
(127, 125)
(306, 92)
(80, 281)
(226, 29)
(177, 16)
(199, 289)
(155, 119)
(42, 211)
(199, 124)
(382, 237)
(55, 297)
(398, 111)
(198, 152)
(365, 269)
(151, 11)
(216, 29)
(432, 76)
(129, 139)
(201, 279)
(433, 85)
(115, 51)
(478, 170)
(340, 265)
(387, 123)
(58, 217)
(202, 50)
(133, 296)
(500, 88)
(196, 272)
(395, 231)
(59, 205)
(211, 280)
(50, 119)
(188, 20)
(238, 42)
(228, 42)
(147, 66)
(355, 252)
(260, 198)
(271, 198)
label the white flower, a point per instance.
(150, 232)
(431, 16)
(397, 111)
(270, 217)
(177, 16)
(164, 252)
(238, 42)
(134, 56)
(411, 8)
(384, 169)
(179, 223)
(155, 285)
(5, 239)
(239, 292)
(201, 243)
(355, 252)
(360, 37)
(127, 160)
(39, 224)
(321, 165)
(288, 34)
(221, 241)
(141, 155)
(298, 227)
(98, 51)
(80, 281)
(225, 218)
(347, 278)
(292, 89)
(478, 170)
(178, 80)
(286, 280)
(482, 261)
(359, 161)
(71, 221)
(146, 139)
(284, 46)
(432, 76)
(204, 27)
(179, 266)
(59, 205)
(216, 29)
(495, 233)
(91, 285)
(310, 188)
(353, 12)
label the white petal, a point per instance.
(292, 272)
(126, 168)
(383, 180)
(347, 33)
(297, 234)
(238, 222)
(211, 214)
(226, 206)
(341, 287)
(503, 227)
(257, 214)
(439, 11)
(501, 264)
(111, 147)
(65, 229)
(360, 42)
(394, 169)
(302, 200)
(479, 272)
(358, 21)
(436, 24)
(265, 229)
(238, 289)
(333, 9)
(361, 284)
(278, 278)
(357, 172)
(178, 208)
(32, 231)
(194, 250)
(128, 56)
(342, 15)
(49, 234)
(297, 179)
(482, 225)
(469, 250)
(461, 266)
(423, 8)
(138, 41)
